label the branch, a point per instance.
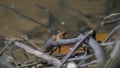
(81, 58)
(3, 50)
(32, 64)
(111, 33)
(29, 41)
(106, 44)
(77, 45)
(90, 63)
(111, 15)
(110, 21)
(44, 56)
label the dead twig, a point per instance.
(29, 65)
(29, 41)
(81, 58)
(84, 65)
(112, 18)
(78, 44)
(111, 33)
(111, 15)
(3, 50)
(44, 56)
(110, 21)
